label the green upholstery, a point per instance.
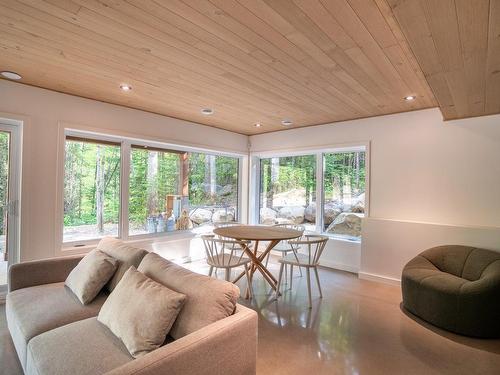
(456, 288)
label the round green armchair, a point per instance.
(456, 288)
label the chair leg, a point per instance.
(279, 280)
(211, 271)
(249, 282)
(286, 268)
(317, 280)
(291, 275)
(309, 286)
(267, 258)
(297, 258)
(228, 274)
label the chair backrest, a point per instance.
(220, 251)
(313, 244)
(298, 227)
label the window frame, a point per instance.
(125, 156)
(318, 152)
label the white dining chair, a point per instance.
(227, 254)
(285, 247)
(311, 247)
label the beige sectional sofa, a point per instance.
(55, 334)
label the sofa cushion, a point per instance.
(34, 310)
(140, 312)
(90, 275)
(126, 255)
(208, 299)
(83, 347)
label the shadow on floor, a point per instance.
(489, 345)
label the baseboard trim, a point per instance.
(339, 266)
(379, 278)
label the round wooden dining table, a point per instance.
(257, 234)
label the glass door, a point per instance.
(4, 203)
(9, 195)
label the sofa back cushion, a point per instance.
(126, 256)
(140, 312)
(208, 300)
(90, 275)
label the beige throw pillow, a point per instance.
(90, 275)
(140, 312)
(208, 299)
(125, 254)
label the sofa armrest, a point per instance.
(38, 272)
(227, 347)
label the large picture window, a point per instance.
(288, 190)
(168, 190)
(344, 193)
(91, 189)
(155, 183)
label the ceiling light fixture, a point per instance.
(409, 98)
(11, 75)
(258, 125)
(287, 122)
(207, 111)
(125, 87)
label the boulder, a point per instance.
(200, 215)
(358, 204)
(223, 215)
(331, 211)
(225, 190)
(292, 214)
(310, 213)
(346, 224)
(268, 216)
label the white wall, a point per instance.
(46, 113)
(422, 170)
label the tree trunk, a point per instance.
(100, 189)
(152, 182)
(213, 175)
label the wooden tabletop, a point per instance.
(257, 233)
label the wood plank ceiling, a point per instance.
(457, 44)
(252, 61)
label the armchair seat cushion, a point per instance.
(81, 348)
(456, 288)
(34, 310)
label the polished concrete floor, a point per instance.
(357, 328)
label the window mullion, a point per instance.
(124, 190)
(319, 192)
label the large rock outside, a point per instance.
(222, 215)
(346, 223)
(200, 216)
(331, 211)
(268, 216)
(292, 214)
(310, 213)
(358, 204)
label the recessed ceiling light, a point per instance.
(125, 87)
(207, 111)
(258, 125)
(11, 75)
(409, 98)
(287, 122)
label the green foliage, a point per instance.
(343, 171)
(4, 178)
(80, 182)
(154, 174)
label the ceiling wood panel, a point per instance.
(311, 61)
(457, 44)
